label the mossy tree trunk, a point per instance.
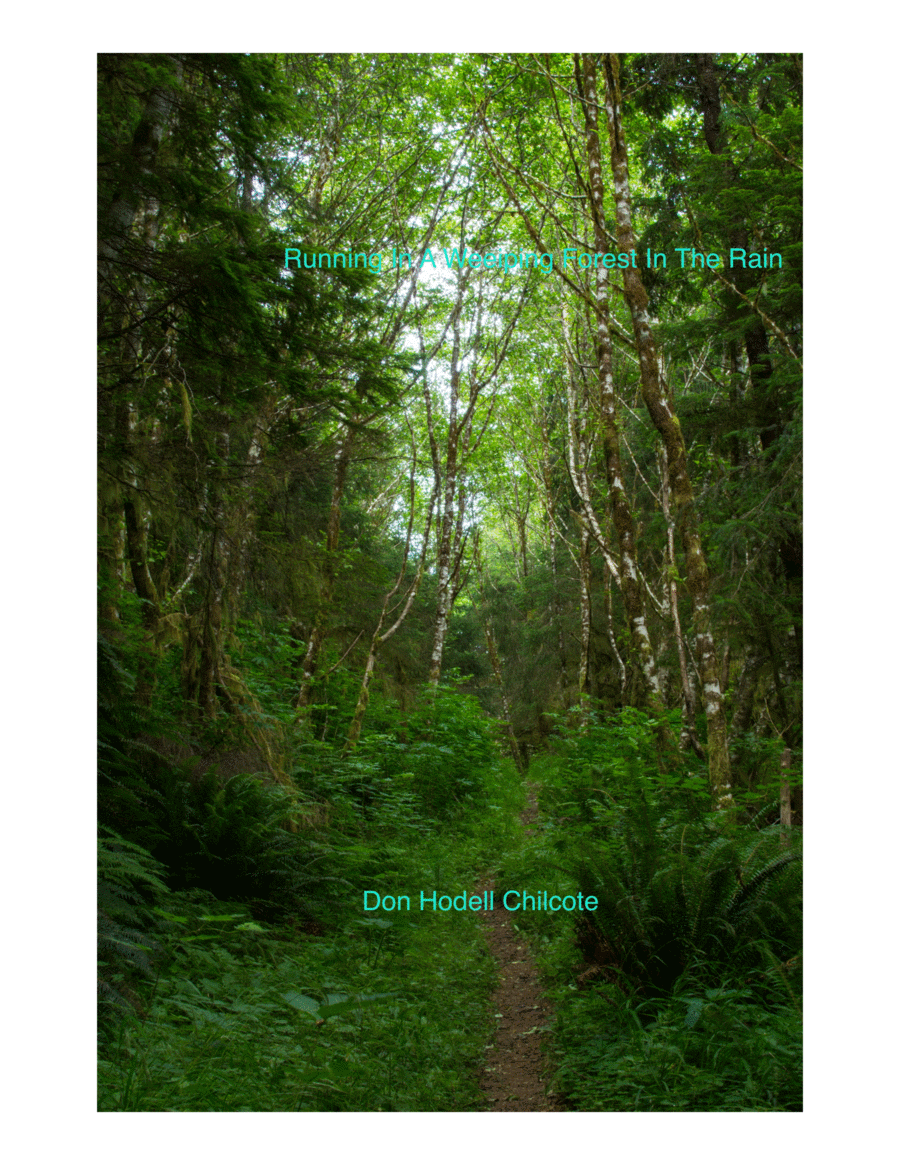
(620, 507)
(667, 425)
(329, 572)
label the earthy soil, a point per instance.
(515, 1073)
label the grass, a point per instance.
(706, 1050)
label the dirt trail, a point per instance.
(514, 1077)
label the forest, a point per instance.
(450, 566)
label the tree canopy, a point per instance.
(442, 396)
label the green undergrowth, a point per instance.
(700, 1049)
(238, 969)
(352, 1011)
(678, 985)
(246, 1017)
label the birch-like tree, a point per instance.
(660, 407)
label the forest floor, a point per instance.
(515, 1072)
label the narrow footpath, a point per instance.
(515, 1074)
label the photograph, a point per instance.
(449, 583)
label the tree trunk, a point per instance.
(555, 608)
(667, 425)
(214, 576)
(746, 690)
(496, 668)
(584, 574)
(756, 341)
(632, 593)
(378, 638)
(689, 725)
(451, 521)
(611, 632)
(504, 699)
(329, 573)
(444, 563)
(119, 217)
(786, 797)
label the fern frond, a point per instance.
(745, 897)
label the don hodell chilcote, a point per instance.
(511, 900)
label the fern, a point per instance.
(671, 896)
(128, 880)
(743, 901)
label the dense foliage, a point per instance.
(691, 980)
(378, 537)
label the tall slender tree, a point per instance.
(660, 407)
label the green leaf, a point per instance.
(695, 1007)
(354, 1002)
(301, 1002)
